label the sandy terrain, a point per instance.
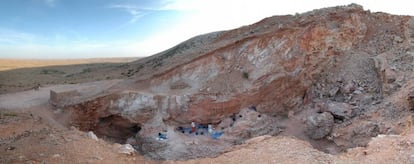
(19, 75)
(8, 64)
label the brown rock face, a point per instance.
(343, 56)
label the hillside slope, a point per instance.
(333, 77)
(326, 76)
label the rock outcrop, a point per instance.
(349, 59)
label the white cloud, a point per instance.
(65, 51)
(191, 5)
(8, 36)
(122, 6)
(82, 48)
(133, 10)
(135, 16)
(16, 44)
(50, 3)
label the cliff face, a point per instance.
(341, 60)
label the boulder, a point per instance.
(359, 133)
(340, 110)
(92, 135)
(319, 125)
(348, 88)
(131, 141)
(333, 91)
(126, 149)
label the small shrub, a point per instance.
(139, 68)
(86, 70)
(70, 75)
(51, 71)
(9, 114)
(45, 71)
(246, 75)
(130, 71)
(297, 15)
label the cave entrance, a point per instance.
(110, 127)
(115, 128)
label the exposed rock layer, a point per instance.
(342, 60)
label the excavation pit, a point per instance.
(164, 138)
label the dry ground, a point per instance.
(25, 74)
(9, 64)
(29, 132)
(30, 137)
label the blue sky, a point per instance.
(119, 28)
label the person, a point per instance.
(216, 135)
(193, 127)
(253, 107)
(181, 129)
(233, 117)
(162, 136)
(210, 128)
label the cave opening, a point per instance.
(115, 128)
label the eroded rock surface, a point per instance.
(353, 61)
(319, 125)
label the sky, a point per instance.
(62, 29)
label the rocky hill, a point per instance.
(333, 77)
(328, 76)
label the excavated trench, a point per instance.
(182, 143)
(238, 128)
